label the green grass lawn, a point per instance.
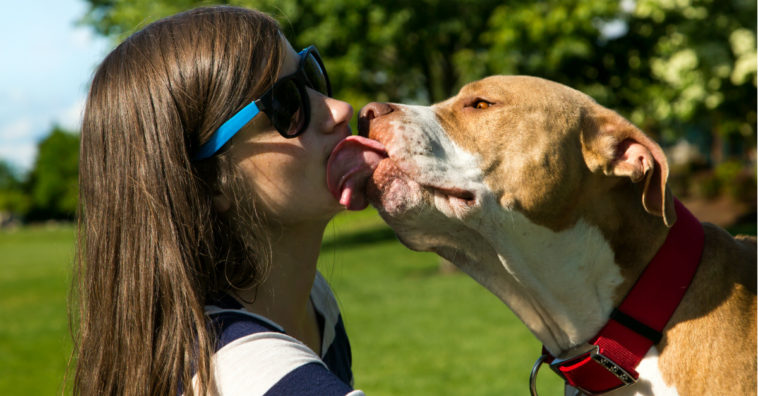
(413, 328)
(35, 273)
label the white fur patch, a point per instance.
(566, 279)
(651, 382)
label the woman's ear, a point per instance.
(615, 147)
(221, 203)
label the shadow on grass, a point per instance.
(353, 239)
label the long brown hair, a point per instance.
(152, 248)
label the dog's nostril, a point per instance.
(370, 112)
(375, 110)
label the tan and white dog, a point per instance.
(557, 205)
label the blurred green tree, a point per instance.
(704, 64)
(374, 50)
(13, 199)
(9, 178)
(672, 67)
(669, 66)
(53, 180)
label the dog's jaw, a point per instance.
(558, 283)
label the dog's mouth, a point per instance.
(354, 162)
(453, 194)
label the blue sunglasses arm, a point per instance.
(226, 131)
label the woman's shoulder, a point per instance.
(274, 364)
(255, 357)
(256, 363)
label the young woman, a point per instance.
(203, 203)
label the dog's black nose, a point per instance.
(369, 112)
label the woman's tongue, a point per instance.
(350, 165)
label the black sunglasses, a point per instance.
(286, 103)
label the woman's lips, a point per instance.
(350, 165)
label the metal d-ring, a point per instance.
(533, 375)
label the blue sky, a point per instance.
(47, 62)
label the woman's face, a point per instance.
(289, 175)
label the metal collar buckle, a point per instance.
(594, 353)
(612, 367)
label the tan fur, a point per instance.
(556, 156)
(710, 343)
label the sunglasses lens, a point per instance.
(316, 74)
(287, 113)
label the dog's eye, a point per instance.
(481, 104)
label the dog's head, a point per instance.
(529, 186)
(505, 143)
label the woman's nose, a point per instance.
(341, 113)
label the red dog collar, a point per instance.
(637, 323)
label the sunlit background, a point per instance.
(684, 71)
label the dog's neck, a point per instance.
(561, 284)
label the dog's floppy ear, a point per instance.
(612, 145)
